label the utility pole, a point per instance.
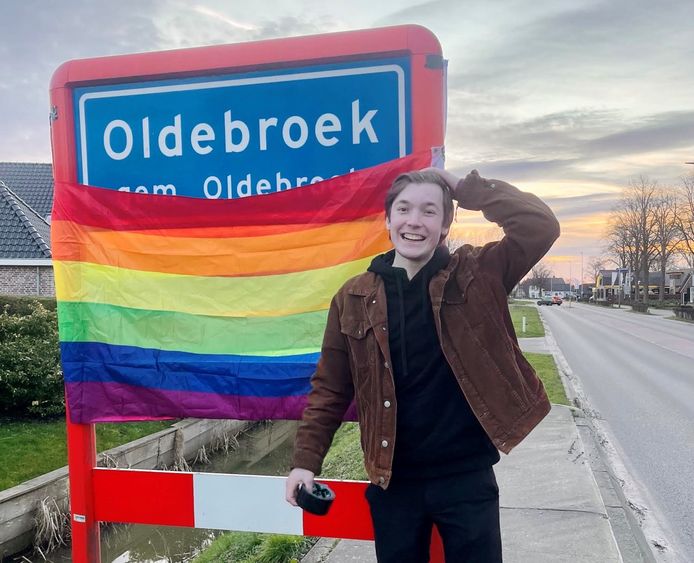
(581, 282)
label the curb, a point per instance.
(320, 550)
(631, 542)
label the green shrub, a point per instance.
(19, 305)
(251, 547)
(31, 380)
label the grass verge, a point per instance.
(249, 547)
(546, 370)
(31, 448)
(533, 324)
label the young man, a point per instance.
(423, 341)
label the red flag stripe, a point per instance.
(344, 198)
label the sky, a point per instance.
(568, 99)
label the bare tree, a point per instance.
(666, 233)
(595, 264)
(540, 276)
(631, 233)
(684, 217)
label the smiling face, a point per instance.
(416, 225)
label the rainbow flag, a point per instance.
(183, 307)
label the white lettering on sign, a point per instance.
(145, 137)
(229, 128)
(263, 125)
(202, 132)
(361, 124)
(215, 187)
(327, 123)
(118, 124)
(171, 131)
(303, 132)
(158, 189)
(294, 133)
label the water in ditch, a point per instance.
(264, 450)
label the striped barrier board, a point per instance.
(250, 503)
(221, 501)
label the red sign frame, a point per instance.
(427, 96)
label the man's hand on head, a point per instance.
(297, 477)
(450, 179)
(473, 179)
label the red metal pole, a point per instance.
(436, 550)
(81, 457)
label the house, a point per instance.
(32, 182)
(610, 284)
(586, 291)
(552, 286)
(556, 286)
(26, 198)
(681, 283)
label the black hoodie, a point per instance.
(437, 433)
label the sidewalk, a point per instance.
(557, 501)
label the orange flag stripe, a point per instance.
(226, 256)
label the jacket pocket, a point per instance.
(360, 339)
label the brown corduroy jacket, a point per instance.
(469, 301)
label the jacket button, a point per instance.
(381, 480)
(386, 365)
(384, 443)
(383, 328)
(374, 302)
(386, 404)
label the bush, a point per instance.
(639, 307)
(19, 305)
(31, 380)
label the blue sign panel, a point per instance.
(240, 135)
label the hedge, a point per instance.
(31, 380)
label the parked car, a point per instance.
(549, 300)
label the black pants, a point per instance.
(464, 507)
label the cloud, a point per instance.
(652, 132)
(37, 37)
(238, 25)
(420, 12)
(602, 146)
(214, 22)
(582, 206)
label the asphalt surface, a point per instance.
(636, 373)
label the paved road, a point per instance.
(637, 372)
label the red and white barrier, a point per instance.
(226, 502)
(230, 502)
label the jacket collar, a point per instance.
(368, 283)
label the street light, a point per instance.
(581, 285)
